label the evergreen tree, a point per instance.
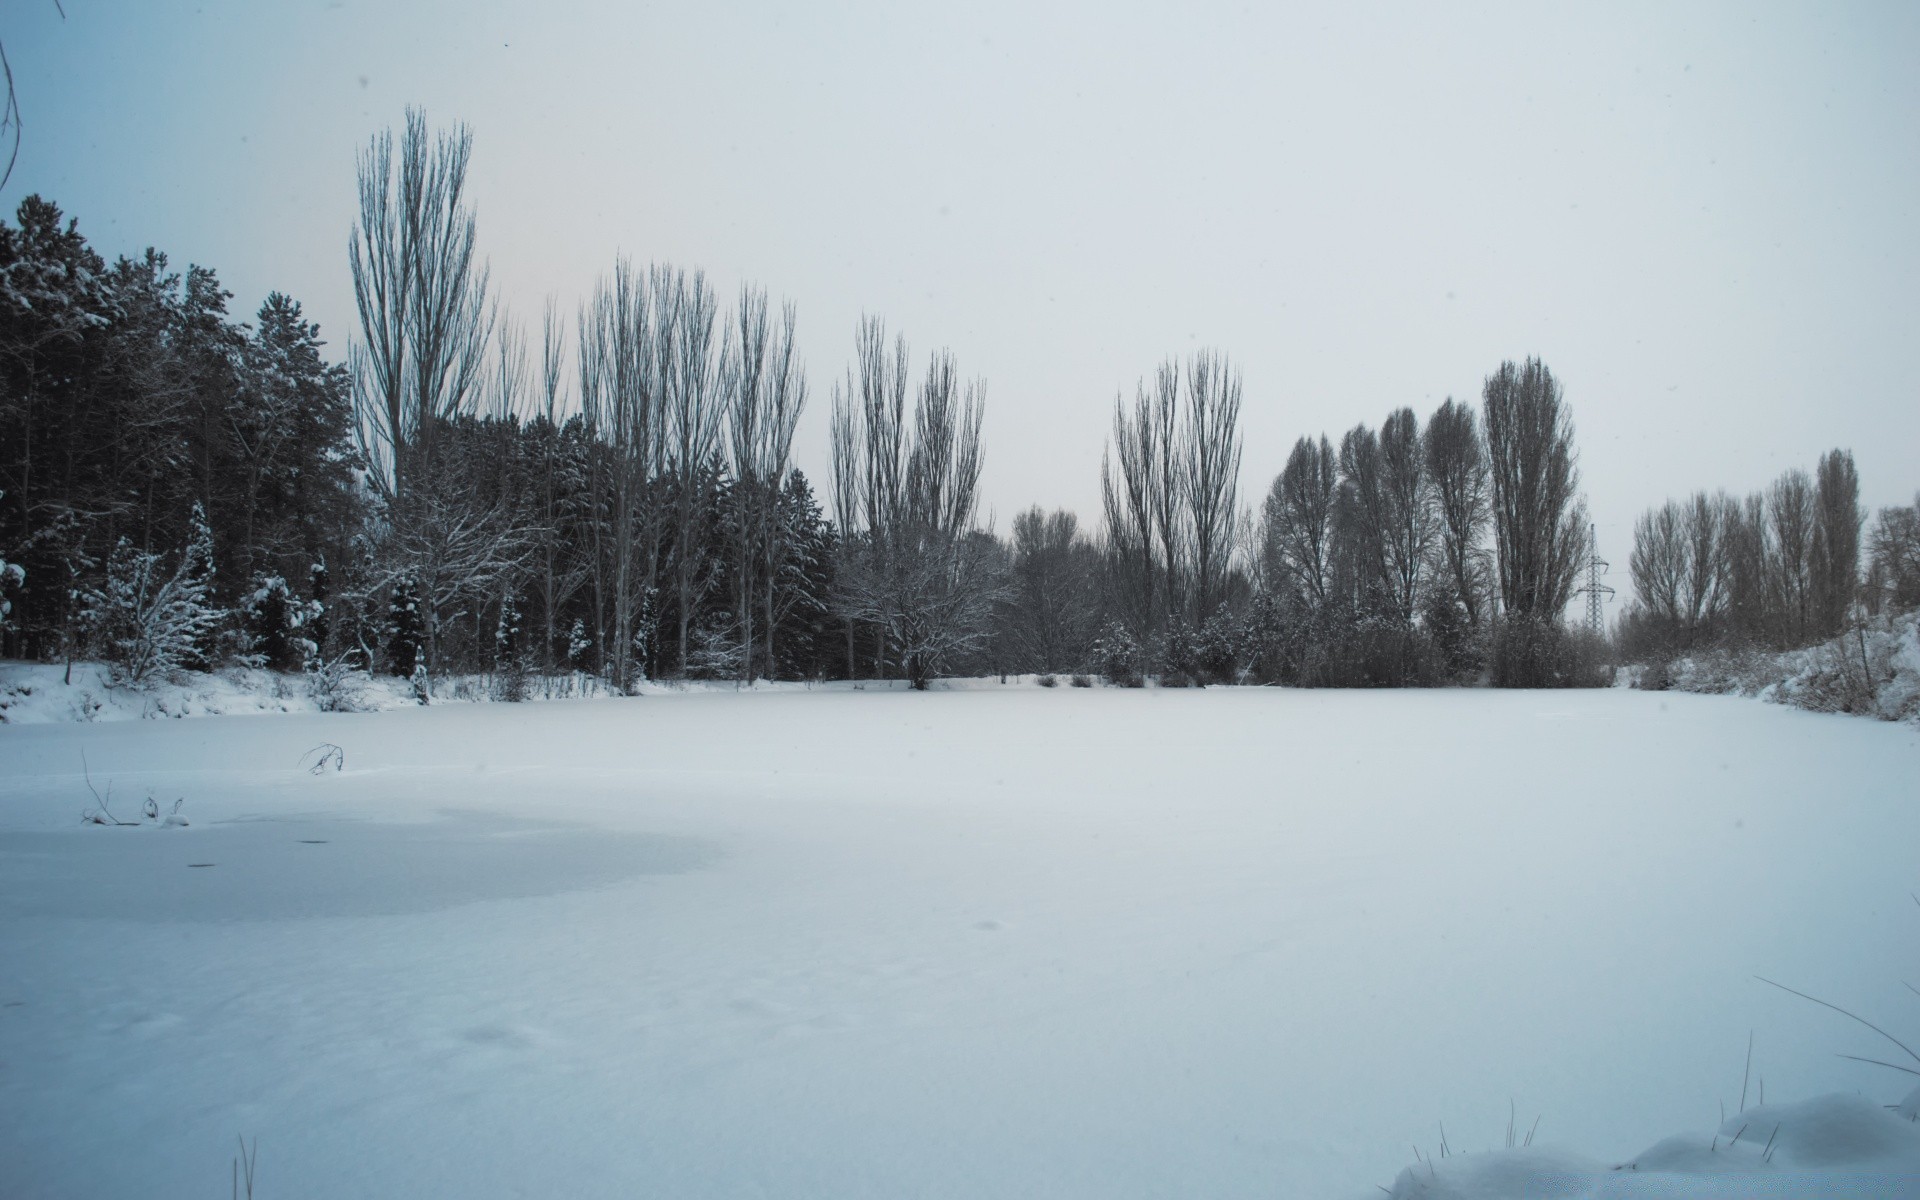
(406, 631)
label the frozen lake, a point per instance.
(986, 942)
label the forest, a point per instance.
(610, 493)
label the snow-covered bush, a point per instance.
(1117, 656)
(335, 685)
(713, 652)
(148, 624)
(12, 577)
(1871, 670)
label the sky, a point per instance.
(1704, 218)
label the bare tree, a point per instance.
(1408, 528)
(1052, 600)
(1746, 552)
(917, 568)
(1457, 473)
(1210, 480)
(1895, 573)
(1298, 519)
(1363, 504)
(626, 338)
(425, 319)
(1679, 566)
(1836, 546)
(426, 322)
(558, 577)
(1128, 496)
(1539, 524)
(765, 392)
(1792, 521)
(694, 415)
(1170, 489)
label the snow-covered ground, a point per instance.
(979, 942)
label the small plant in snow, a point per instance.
(335, 685)
(324, 757)
(149, 623)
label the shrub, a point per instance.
(1047, 681)
(1081, 681)
(149, 624)
(1543, 654)
(1117, 656)
(334, 685)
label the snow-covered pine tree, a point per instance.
(509, 665)
(197, 568)
(318, 590)
(277, 626)
(267, 615)
(407, 631)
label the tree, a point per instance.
(765, 395)
(625, 346)
(1539, 524)
(426, 322)
(1896, 557)
(917, 568)
(1679, 568)
(1170, 489)
(1297, 518)
(1052, 593)
(425, 318)
(1457, 471)
(1210, 478)
(1836, 543)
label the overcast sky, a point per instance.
(1706, 219)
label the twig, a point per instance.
(247, 1159)
(1748, 1074)
(1876, 1062)
(1766, 1151)
(105, 814)
(324, 753)
(1530, 1132)
(1843, 1012)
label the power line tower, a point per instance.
(1597, 593)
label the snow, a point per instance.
(1872, 670)
(982, 941)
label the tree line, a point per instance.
(1778, 569)
(611, 491)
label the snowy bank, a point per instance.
(40, 693)
(1873, 670)
(1832, 1146)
